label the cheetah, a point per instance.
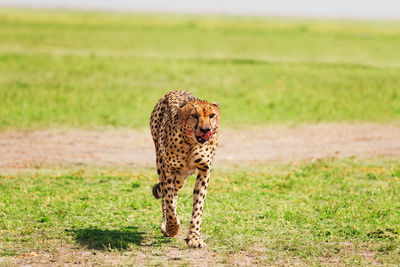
(185, 135)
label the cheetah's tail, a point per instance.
(157, 191)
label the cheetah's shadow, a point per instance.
(103, 239)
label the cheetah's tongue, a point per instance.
(207, 135)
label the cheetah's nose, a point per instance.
(205, 129)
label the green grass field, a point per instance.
(310, 213)
(80, 69)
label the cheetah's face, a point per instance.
(200, 120)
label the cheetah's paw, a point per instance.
(172, 229)
(194, 240)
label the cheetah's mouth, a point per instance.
(202, 139)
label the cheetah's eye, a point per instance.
(212, 116)
(195, 116)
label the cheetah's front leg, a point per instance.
(194, 238)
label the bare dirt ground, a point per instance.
(135, 148)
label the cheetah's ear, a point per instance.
(182, 112)
(215, 104)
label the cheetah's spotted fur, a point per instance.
(185, 135)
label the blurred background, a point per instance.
(105, 63)
(385, 9)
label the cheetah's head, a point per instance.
(200, 120)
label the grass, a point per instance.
(330, 211)
(82, 69)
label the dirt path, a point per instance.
(130, 147)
